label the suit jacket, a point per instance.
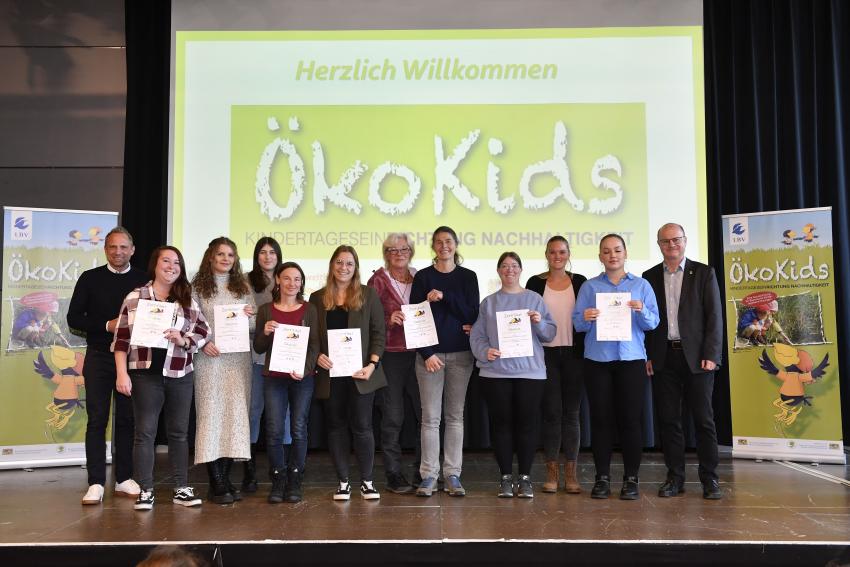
(370, 320)
(700, 317)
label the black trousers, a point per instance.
(348, 414)
(400, 370)
(99, 376)
(561, 402)
(616, 392)
(672, 387)
(513, 404)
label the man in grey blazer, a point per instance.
(683, 352)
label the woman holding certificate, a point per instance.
(288, 371)
(223, 377)
(351, 333)
(614, 309)
(507, 342)
(159, 328)
(267, 257)
(443, 370)
(564, 361)
(393, 284)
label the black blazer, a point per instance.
(538, 284)
(700, 317)
(370, 320)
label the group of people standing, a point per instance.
(678, 345)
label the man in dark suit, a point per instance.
(683, 352)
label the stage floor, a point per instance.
(763, 502)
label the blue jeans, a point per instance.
(281, 394)
(255, 412)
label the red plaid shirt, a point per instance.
(178, 360)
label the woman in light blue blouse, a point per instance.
(513, 386)
(615, 375)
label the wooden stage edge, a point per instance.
(771, 514)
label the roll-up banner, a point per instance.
(42, 394)
(783, 351)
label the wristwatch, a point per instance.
(375, 362)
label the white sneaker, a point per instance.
(129, 488)
(368, 491)
(185, 496)
(144, 501)
(94, 495)
(343, 492)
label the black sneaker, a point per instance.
(398, 484)
(524, 488)
(368, 491)
(711, 490)
(144, 501)
(343, 491)
(602, 487)
(630, 488)
(185, 496)
(506, 486)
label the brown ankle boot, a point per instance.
(551, 484)
(571, 484)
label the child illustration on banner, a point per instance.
(68, 379)
(797, 371)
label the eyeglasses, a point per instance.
(671, 241)
(397, 251)
(510, 267)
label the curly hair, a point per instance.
(204, 280)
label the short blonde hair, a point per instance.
(391, 239)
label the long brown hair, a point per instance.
(204, 280)
(257, 276)
(181, 290)
(354, 293)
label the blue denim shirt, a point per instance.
(644, 320)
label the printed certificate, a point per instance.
(344, 350)
(231, 328)
(150, 322)
(615, 317)
(289, 349)
(419, 328)
(514, 329)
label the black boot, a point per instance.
(293, 492)
(249, 480)
(227, 463)
(276, 494)
(218, 489)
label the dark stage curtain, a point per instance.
(777, 77)
(145, 204)
(778, 129)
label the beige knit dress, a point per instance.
(222, 389)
